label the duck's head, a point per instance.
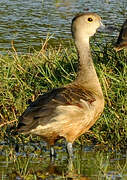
(85, 25)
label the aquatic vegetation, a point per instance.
(86, 165)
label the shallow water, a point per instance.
(88, 164)
(28, 22)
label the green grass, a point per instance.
(24, 77)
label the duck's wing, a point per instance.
(44, 110)
(122, 39)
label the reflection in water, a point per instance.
(52, 171)
(70, 173)
(90, 165)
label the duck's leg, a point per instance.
(70, 149)
(52, 151)
(52, 154)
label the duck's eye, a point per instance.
(90, 19)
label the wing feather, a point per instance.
(56, 106)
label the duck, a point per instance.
(122, 38)
(69, 111)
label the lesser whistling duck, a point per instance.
(122, 39)
(71, 110)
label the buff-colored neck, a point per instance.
(86, 76)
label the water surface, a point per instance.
(88, 164)
(28, 22)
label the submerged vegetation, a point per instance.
(85, 166)
(24, 77)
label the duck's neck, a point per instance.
(86, 76)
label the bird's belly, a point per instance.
(69, 122)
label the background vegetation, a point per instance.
(24, 77)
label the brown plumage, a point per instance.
(122, 39)
(71, 110)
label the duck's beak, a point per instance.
(102, 26)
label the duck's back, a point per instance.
(122, 39)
